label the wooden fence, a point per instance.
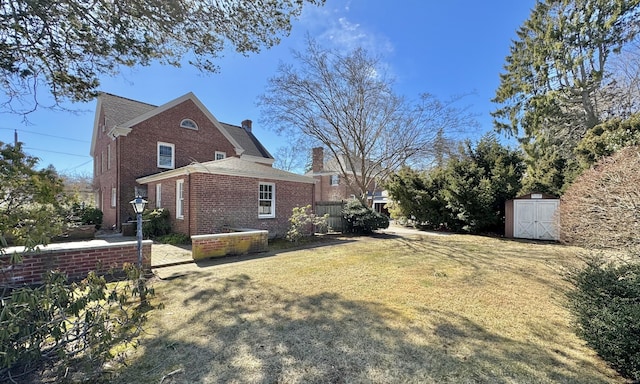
(334, 210)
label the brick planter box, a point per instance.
(232, 243)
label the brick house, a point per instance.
(230, 193)
(332, 186)
(133, 140)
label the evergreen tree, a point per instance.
(552, 90)
(68, 44)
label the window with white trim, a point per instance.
(220, 155)
(189, 124)
(267, 200)
(114, 197)
(180, 199)
(335, 180)
(109, 156)
(158, 195)
(166, 155)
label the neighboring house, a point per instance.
(332, 186)
(134, 140)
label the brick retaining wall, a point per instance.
(233, 243)
(75, 259)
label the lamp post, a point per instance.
(138, 207)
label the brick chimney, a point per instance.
(246, 125)
(317, 161)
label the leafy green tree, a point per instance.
(552, 89)
(32, 202)
(606, 138)
(57, 321)
(419, 197)
(68, 44)
(479, 182)
(468, 193)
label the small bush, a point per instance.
(91, 215)
(600, 209)
(174, 239)
(156, 223)
(303, 222)
(61, 323)
(606, 304)
(361, 219)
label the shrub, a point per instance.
(91, 215)
(61, 322)
(361, 219)
(606, 304)
(303, 222)
(600, 209)
(174, 239)
(156, 223)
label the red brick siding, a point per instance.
(105, 179)
(137, 153)
(76, 262)
(232, 201)
(220, 201)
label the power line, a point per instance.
(77, 166)
(61, 153)
(44, 134)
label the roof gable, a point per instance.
(117, 110)
(122, 114)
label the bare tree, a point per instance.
(346, 102)
(294, 155)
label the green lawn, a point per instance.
(425, 309)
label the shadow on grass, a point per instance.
(318, 243)
(238, 330)
(490, 255)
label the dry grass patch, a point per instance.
(427, 309)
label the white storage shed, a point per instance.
(532, 216)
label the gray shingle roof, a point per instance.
(119, 110)
(247, 141)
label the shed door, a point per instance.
(535, 219)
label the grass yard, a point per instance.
(423, 309)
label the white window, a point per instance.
(158, 195)
(166, 155)
(102, 162)
(179, 199)
(267, 200)
(220, 155)
(335, 179)
(109, 156)
(189, 124)
(114, 197)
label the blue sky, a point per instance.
(445, 48)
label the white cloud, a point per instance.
(333, 29)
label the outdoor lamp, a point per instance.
(138, 207)
(138, 204)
